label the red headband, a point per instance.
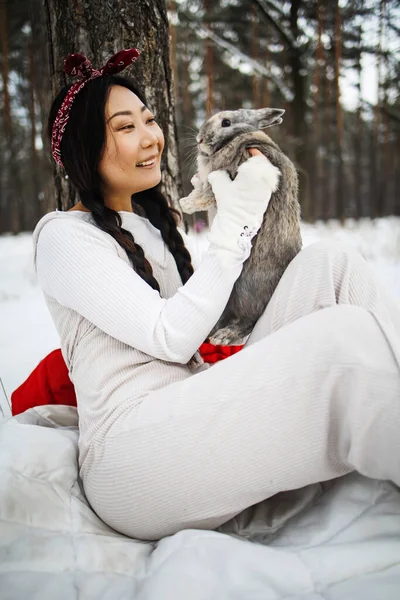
(80, 66)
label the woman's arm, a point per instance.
(80, 268)
(193, 248)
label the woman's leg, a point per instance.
(322, 275)
(314, 400)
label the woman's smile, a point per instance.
(148, 164)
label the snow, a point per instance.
(27, 333)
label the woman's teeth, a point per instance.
(149, 163)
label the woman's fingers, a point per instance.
(256, 152)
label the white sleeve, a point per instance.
(80, 268)
(196, 245)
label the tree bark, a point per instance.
(99, 30)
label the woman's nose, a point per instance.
(149, 140)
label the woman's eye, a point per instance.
(152, 119)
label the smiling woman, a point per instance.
(165, 444)
(132, 137)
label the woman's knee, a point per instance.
(327, 264)
(331, 250)
(350, 333)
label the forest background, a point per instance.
(332, 65)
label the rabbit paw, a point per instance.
(227, 336)
(201, 198)
(189, 203)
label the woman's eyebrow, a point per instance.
(126, 112)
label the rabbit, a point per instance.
(223, 142)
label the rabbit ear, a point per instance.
(269, 116)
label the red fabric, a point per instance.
(49, 382)
(212, 354)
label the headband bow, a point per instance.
(77, 65)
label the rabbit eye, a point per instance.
(226, 123)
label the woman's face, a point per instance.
(132, 137)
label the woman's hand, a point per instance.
(195, 181)
(242, 202)
(256, 152)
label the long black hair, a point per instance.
(81, 149)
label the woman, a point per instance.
(166, 443)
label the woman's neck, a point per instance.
(79, 206)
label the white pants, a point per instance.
(314, 395)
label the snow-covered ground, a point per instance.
(27, 333)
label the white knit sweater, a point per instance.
(120, 338)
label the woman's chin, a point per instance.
(157, 174)
(151, 180)
(153, 172)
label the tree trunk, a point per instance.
(358, 139)
(12, 191)
(328, 209)
(209, 65)
(43, 96)
(318, 172)
(99, 30)
(386, 150)
(379, 194)
(340, 184)
(265, 82)
(299, 107)
(172, 37)
(255, 42)
(34, 209)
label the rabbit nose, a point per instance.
(200, 140)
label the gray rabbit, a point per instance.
(223, 143)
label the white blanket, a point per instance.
(339, 541)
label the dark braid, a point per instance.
(164, 218)
(110, 221)
(155, 207)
